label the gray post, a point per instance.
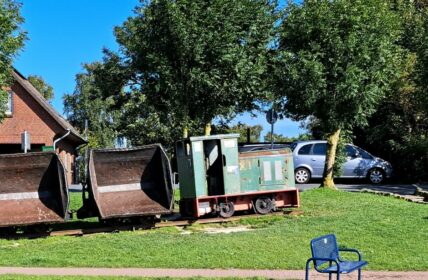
(271, 136)
(271, 117)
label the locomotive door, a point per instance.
(198, 161)
(229, 149)
(190, 165)
(214, 167)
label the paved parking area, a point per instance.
(406, 191)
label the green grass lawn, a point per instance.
(392, 234)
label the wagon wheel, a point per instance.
(263, 205)
(113, 222)
(227, 209)
(7, 231)
(37, 229)
(144, 221)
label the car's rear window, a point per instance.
(305, 149)
(320, 149)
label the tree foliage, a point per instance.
(337, 60)
(86, 105)
(44, 88)
(242, 129)
(184, 62)
(279, 138)
(398, 130)
(12, 39)
(422, 66)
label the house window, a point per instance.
(9, 104)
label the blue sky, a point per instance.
(64, 34)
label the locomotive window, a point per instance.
(183, 149)
(180, 149)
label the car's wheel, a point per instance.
(376, 176)
(302, 175)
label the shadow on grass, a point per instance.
(43, 230)
(84, 224)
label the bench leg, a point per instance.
(359, 274)
(338, 276)
(329, 276)
(307, 270)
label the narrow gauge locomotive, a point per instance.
(215, 178)
(138, 182)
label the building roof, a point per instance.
(34, 93)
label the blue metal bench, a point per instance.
(326, 258)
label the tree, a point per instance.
(86, 106)
(279, 138)
(44, 88)
(398, 130)
(418, 142)
(242, 130)
(337, 60)
(422, 66)
(11, 41)
(188, 61)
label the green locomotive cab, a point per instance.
(215, 178)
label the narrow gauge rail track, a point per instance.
(133, 227)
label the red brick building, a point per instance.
(27, 110)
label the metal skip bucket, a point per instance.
(33, 189)
(128, 183)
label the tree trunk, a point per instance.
(185, 132)
(207, 130)
(332, 141)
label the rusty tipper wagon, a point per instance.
(128, 183)
(33, 189)
(215, 178)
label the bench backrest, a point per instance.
(324, 247)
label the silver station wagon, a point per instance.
(309, 161)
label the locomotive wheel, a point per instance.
(263, 205)
(227, 209)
